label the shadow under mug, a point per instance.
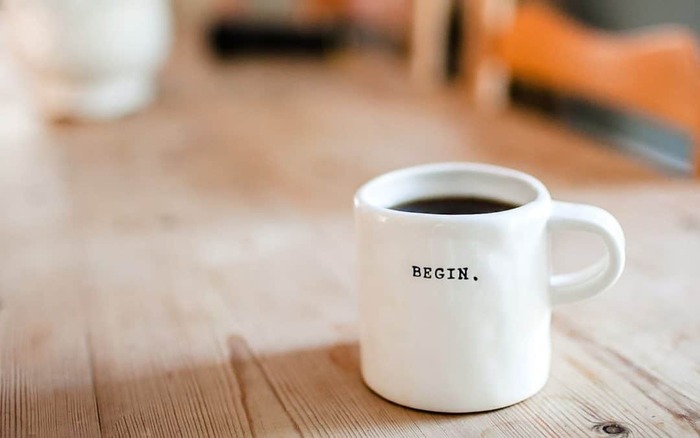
(476, 336)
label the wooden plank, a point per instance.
(649, 315)
(142, 256)
(623, 391)
(46, 378)
(175, 384)
(188, 271)
(46, 382)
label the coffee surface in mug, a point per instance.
(454, 205)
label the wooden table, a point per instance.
(188, 271)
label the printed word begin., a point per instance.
(442, 273)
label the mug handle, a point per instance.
(574, 286)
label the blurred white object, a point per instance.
(91, 59)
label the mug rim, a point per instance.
(542, 195)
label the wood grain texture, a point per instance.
(188, 271)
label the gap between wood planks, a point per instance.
(93, 377)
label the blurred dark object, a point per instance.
(541, 99)
(455, 39)
(662, 144)
(230, 38)
(654, 74)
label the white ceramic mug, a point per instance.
(90, 59)
(455, 309)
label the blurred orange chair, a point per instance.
(654, 73)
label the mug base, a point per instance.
(436, 408)
(99, 100)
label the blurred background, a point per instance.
(436, 38)
(623, 73)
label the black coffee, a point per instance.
(454, 205)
